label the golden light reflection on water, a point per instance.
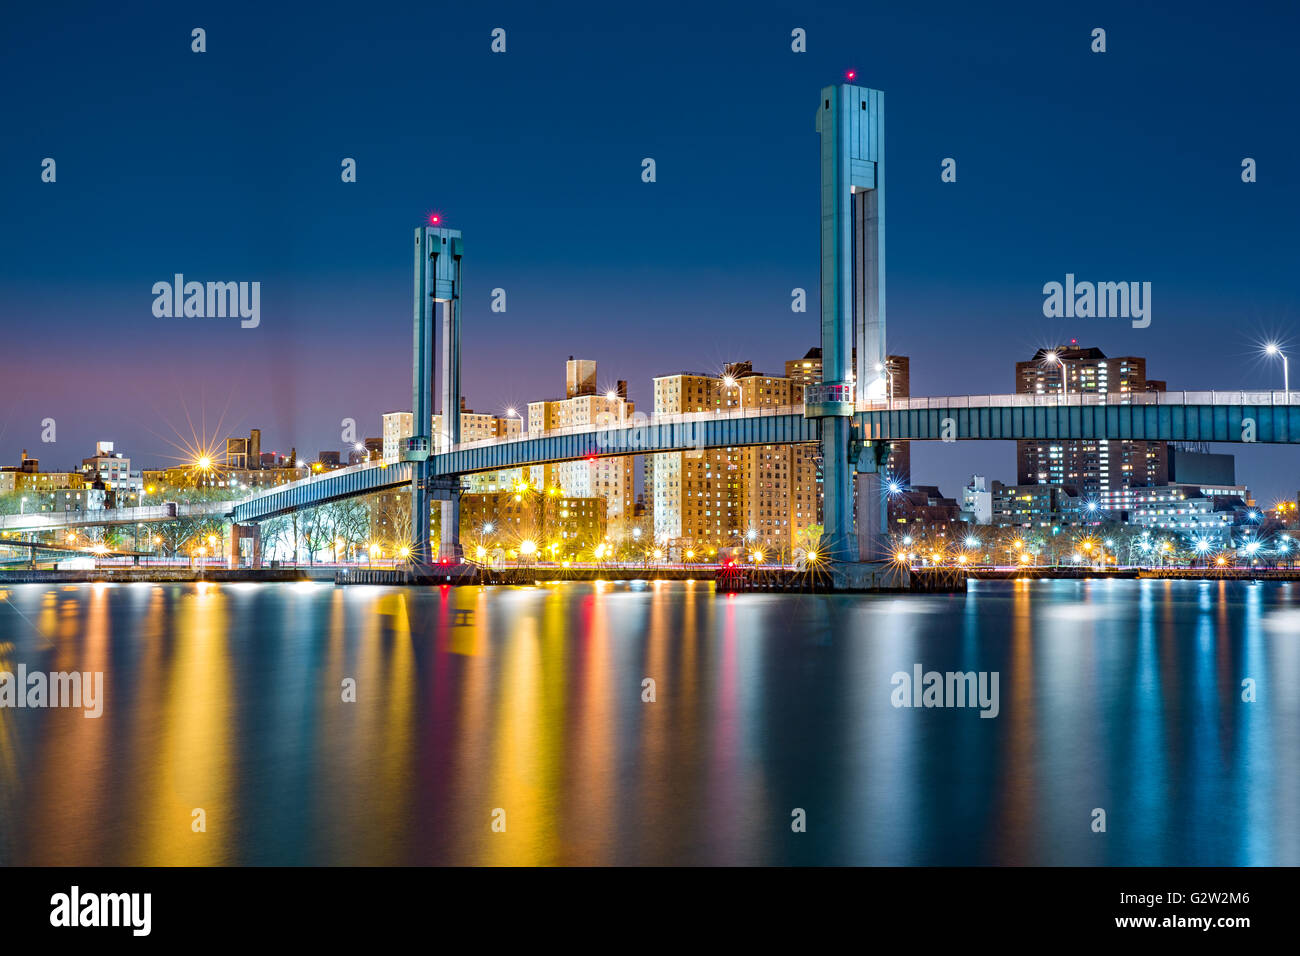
(189, 766)
(528, 700)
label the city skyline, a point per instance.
(646, 278)
(528, 436)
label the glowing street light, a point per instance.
(731, 382)
(1054, 358)
(1272, 348)
(883, 369)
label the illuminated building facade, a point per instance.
(1105, 471)
(762, 496)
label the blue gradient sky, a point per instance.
(225, 166)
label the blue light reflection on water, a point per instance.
(1119, 695)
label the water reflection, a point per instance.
(525, 706)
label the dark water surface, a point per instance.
(1119, 695)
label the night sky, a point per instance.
(1122, 166)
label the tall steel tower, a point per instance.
(851, 121)
(438, 253)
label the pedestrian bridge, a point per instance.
(1218, 416)
(104, 517)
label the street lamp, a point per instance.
(1055, 357)
(883, 369)
(1272, 348)
(730, 382)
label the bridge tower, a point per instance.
(438, 253)
(851, 122)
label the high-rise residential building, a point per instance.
(396, 429)
(898, 375)
(763, 496)
(474, 426)
(611, 478)
(1104, 471)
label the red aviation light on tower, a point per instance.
(851, 75)
(435, 219)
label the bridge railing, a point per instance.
(317, 477)
(37, 521)
(638, 420)
(1214, 397)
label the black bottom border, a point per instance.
(305, 905)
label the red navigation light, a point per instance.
(852, 74)
(434, 219)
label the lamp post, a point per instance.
(1055, 357)
(1272, 348)
(883, 369)
(731, 382)
(613, 396)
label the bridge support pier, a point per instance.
(837, 490)
(450, 530)
(871, 508)
(239, 535)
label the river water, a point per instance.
(513, 726)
